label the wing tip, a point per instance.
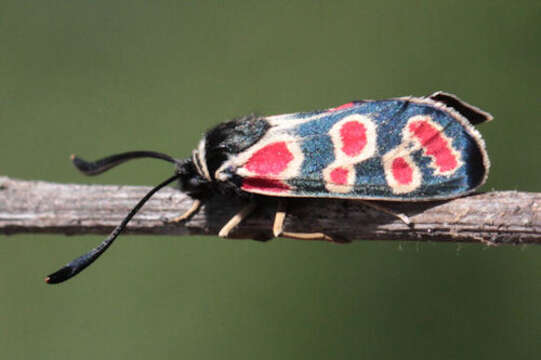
(472, 113)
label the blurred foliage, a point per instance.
(100, 77)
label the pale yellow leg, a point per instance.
(307, 236)
(403, 217)
(195, 206)
(279, 218)
(237, 219)
(278, 227)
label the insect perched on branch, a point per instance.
(401, 149)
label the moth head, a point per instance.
(190, 180)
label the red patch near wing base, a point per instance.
(266, 185)
(271, 159)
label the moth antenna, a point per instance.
(99, 166)
(79, 264)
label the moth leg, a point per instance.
(307, 236)
(278, 226)
(279, 218)
(402, 217)
(237, 219)
(193, 209)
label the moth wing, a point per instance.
(398, 149)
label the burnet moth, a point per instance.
(400, 149)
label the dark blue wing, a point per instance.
(396, 149)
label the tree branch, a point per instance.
(507, 217)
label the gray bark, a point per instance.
(503, 217)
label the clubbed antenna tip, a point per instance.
(59, 276)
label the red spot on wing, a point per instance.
(262, 184)
(339, 176)
(434, 144)
(342, 107)
(402, 171)
(270, 160)
(353, 135)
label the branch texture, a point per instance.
(506, 217)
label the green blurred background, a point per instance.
(100, 77)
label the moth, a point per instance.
(399, 149)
